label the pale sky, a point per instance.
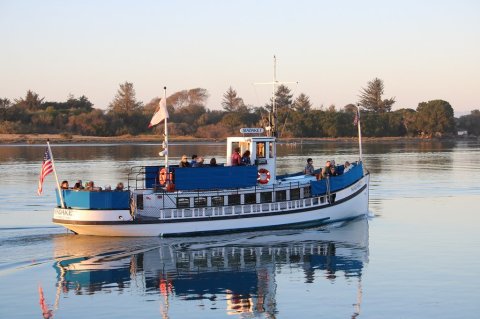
(422, 50)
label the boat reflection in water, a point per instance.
(230, 269)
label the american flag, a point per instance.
(47, 168)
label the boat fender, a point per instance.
(163, 177)
(263, 176)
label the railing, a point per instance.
(248, 209)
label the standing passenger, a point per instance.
(236, 158)
(246, 158)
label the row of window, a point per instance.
(235, 199)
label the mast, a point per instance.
(165, 141)
(273, 131)
(359, 133)
(272, 118)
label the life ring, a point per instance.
(163, 177)
(263, 176)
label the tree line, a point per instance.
(189, 115)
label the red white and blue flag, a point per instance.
(47, 168)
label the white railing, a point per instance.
(247, 209)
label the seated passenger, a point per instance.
(213, 162)
(78, 185)
(64, 185)
(194, 160)
(245, 160)
(326, 169)
(333, 171)
(347, 167)
(199, 162)
(91, 187)
(309, 169)
(119, 187)
(184, 162)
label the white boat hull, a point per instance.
(350, 203)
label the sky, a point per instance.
(422, 50)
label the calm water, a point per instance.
(419, 256)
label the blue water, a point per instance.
(418, 257)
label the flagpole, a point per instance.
(56, 177)
(166, 135)
(359, 133)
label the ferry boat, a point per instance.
(168, 200)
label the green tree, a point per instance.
(125, 102)
(435, 118)
(283, 104)
(233, 103)
(371, 97)
(302, 103)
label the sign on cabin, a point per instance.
(251, 130)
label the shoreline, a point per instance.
(128, 139)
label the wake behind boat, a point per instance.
(168, 200)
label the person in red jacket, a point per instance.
(236, 158)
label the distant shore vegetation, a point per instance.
(189, 116)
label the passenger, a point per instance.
(199, 163)
(245, 160)
(326, 169)
(91, 187)
(346, 167)
(78, 185)
(194, 160)
(333, 171)
(184, 162)
(119, 187)
(309, 169)
(64, 185)
(107, 188)
(213, 162)
(236, 158)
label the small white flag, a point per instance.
(161, 114)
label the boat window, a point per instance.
(140, 201)
(234, 199)
(306, 192)
(217, 201)
(270, 150)
(260, 149)
(183, 202)
(200, 202)
(266, 197)
(280, 196)
(250, 198)
(295, 193)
